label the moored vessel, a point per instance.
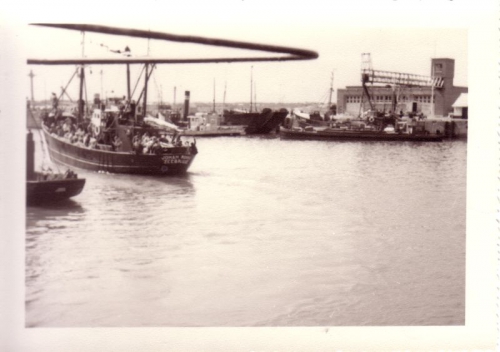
(264, 122)
(361, 135)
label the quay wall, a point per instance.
(450, 127)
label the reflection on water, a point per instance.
(261, 232)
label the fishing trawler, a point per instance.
(120, 140)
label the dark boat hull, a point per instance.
(357, 135)
(176, 162)
(257, 123)
(38, 192)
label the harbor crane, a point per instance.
(396, 81)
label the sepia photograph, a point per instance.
(245, 176)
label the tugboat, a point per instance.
(47, 186)
(119, 141)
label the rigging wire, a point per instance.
(86, 96)
(137, 83)
(46, 162)
(156, 85)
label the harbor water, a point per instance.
(260, 232)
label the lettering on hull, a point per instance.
(176, 159)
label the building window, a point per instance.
(438, 68)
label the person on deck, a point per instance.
(93, 143)
(194, 150)
(86, 139)
(164, 139)
(123, 103)
(117, 144)
(55, 101)
(136, 138)
(155, 147)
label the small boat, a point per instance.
(48, 186)
(313, 119)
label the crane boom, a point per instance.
(400, 79)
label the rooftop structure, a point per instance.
(432, 96)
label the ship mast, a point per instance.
(255, 96)
(251, 87)
(82, 80)
(128, 82)
(224, 99)
(213, 108)
(146, 66)
(175, 93)
(331, 92)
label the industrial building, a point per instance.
(417, 98)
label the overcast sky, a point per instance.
(398, 41)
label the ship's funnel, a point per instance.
(186, 104)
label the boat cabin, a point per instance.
(104, 119)
(203, 121)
